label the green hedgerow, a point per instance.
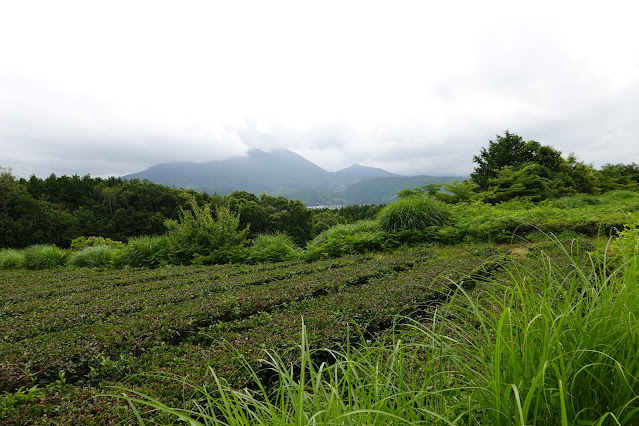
(43, 256)
(83, 242)
(414, 212)
(11, 259)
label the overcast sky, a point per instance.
(415, 87)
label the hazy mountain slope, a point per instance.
(284, 173)
(258, 168)
(384, 190)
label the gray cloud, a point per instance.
(410, 90)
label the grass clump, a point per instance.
(413, 212)
(11, 259)
(43, 256)
(555, 345)
(146, 251)
(95, 256)
(277, 247)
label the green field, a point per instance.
(90, 328)
(70, 335)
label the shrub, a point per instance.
(272, 248)
(43, 256)
(146, 251)
(577, 201)
(346, 239)
(197, 235)
(83, 242)
(96, 256)
(11, 259)
(415, 212)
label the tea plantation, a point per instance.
(74, 332)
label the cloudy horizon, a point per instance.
(412, 87)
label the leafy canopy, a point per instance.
(512, 151)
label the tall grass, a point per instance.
(414, 212)
(146, 251)
(546, 344)
(43, 256)
(95, 256)
(272, 248)
(11, 259)
(556, 347)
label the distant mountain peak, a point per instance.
(283, 172)
(364, 172)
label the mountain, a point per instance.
(283, 172)
(356, 173)
(257, 169)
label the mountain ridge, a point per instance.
(280, 172)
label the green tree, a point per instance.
(461, 191)
(511, 150)
(620, 176)
(430, 190)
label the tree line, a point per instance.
(58, 209)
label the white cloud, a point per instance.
(415, 87)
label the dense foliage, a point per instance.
(199, 237)
(57, 210)
(511, 167)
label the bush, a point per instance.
(43, 256)
(11, 259)
(414, 212)
(340, 240)
(95, 256)
(83, 242)
(272, 248)
(146, 251)
(196, 236)
(577, 201)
